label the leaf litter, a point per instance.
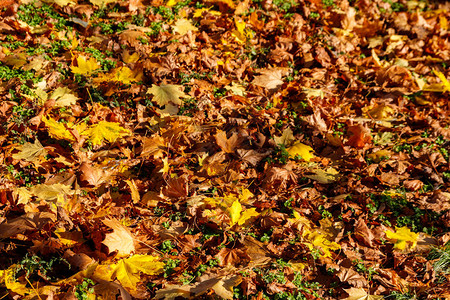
(232, 149)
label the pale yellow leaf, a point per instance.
(286, 137)
(324, 176)
(183, 26)
(360, 294)
(102, 3)
(30, 152)
(50, 192)
(63, 97)
(120, 240)
(167, 93)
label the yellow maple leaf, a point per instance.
(235, 212)
(318, 240)
(166, 166)
(239, 217)
(403, 237)
(301, 149)
(240, 34)
(166, 93)
(122, 74)
(102, 3)
(84, 66)
(183, 26)
(444, 80)
(58, 130)
(30, 152)
(105, 130)
(127, 271)
(8, 276)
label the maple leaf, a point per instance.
(403, 237)
(8, 276)
(105, 130)
(134, 191)
(236, 215)
(324, 176)
(302, 150)
(63, 97)
(84, 66)
(127, 271)
(51, 192)
(30, 152)
(270, 78)
(227, 145)
(286, 137)
(166, 93)
(360, 294)
(58, 130)
(183, 26)
(122, 74)
(120, 240)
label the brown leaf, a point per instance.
(233, 256)
(176, 188)
(251, 156)
(360, 136)
(270, 78)
(227, 145)
(363, 233)
(352, 277)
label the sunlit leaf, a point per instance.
(84, 66)
(404, 238)
(304, 151)
(167, 93)
(30, 151)
(183, 26)
(120, 240)
(63, 97)
(360, 294)
(235, 212)
(105, 130)
(128, 270)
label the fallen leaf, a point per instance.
(360, 294)
(286, 138)
(120, 240)
(63, 97)
(128, 270)
(269, 78)
(84, 66)
(167, 93)
(302, 150)
(105, 130)
(183, 26)
(30, 152)
(404, 238)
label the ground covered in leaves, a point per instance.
(284, 149)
